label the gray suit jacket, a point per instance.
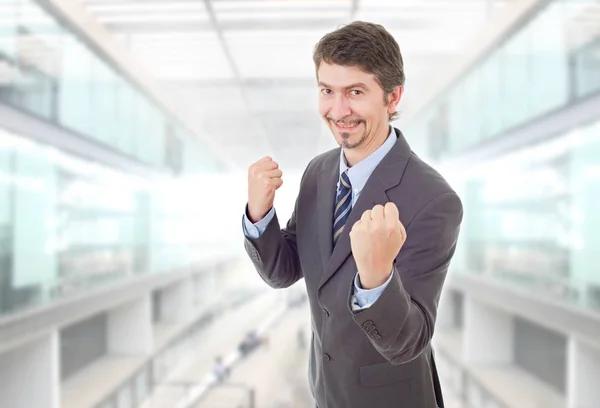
(378, 357)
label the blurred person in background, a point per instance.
(372, 233)
(219, 370)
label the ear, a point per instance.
(394, 99)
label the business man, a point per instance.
(373, 231)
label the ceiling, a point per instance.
(244, 67)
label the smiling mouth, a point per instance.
(347, 125)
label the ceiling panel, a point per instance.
(181, 56)
(244, 67)
(209, 100)
(285, 99)
(258, 6)
(273, 54)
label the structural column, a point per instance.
(445, 316)
(30, 375)
(488, 334)
(583, 375)
(177, 302)
(130, 328)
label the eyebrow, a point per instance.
(352, 86)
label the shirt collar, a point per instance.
(361, 171)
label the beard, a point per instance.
(346, 143)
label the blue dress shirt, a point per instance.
(358, 175)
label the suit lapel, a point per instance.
(326, 189)
(385, 176)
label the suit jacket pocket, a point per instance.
(384, 374)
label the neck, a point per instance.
(358, 154)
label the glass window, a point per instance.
(491, 103)
(457, 118)
(75, 95)
(8, 28)
(37, 50)
(155, 139)
(516, 77)
(103, 106)
(8, 55)
(143, 139)
(66, 224)
(472, 102)
(553, 59)
(47, 70)
(587, 69)
(125, 115)
(584, 167)
(6, 222)
(549, 81)
(34, 217)
(531, 218)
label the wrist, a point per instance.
(371, 280)
(255, 216)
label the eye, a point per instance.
(355, 92)
(326, 91)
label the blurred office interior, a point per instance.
(126, 130)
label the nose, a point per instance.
(340, 107)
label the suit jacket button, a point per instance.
(326, 313)
(326, 357)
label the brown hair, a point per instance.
(367, 46)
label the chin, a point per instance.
(351, 142)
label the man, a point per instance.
(373, 231)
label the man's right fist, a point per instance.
(264, 178)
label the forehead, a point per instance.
(340, 76)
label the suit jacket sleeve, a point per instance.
(275, 253)
(400, 323)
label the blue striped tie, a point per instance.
(343, 205)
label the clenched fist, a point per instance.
(376, 240)
(264, 178)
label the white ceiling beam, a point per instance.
(262, 83)
(354, 9)
(287, 25)
(234, 68)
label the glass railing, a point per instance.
(68, 225)
(532, 219)
(549, 62)
(46, 69)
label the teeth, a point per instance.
(347, 125)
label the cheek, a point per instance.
(362, 108)
(323, 108)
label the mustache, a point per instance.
(344, 120)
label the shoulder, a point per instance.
(320, 163)
(430, 181)
(424, 190)
(324, 160)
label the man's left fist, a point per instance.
(376, 240)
